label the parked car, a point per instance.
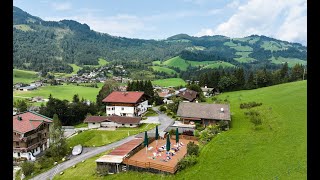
(77, 150)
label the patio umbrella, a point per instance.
(145, 142)
(168, 143)
(157, 135)
(177, 135)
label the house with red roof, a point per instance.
(128, 103)
(30, 134)
(112, 121)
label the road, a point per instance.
(163, 118)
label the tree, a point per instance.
(192, 149)
(284, 72)
(75, 98)
(27, 168)
(296, 72)
(108, 87)
(21, 105)
(58, 146)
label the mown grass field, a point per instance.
(65, 91)
(24, 76)
(245, 153)
(23, 27)
(163, 69)
(91, 138)
(169, 82)
(291, 61)
(176, 62)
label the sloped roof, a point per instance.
(188, 94)
(29, 121)
(114, 118)
(204, 111)
(124, 97)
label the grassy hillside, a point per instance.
(164, 69)
(244, 57)
(291, 61)
(177, 62)
(169, 82)
(245, 153)
(24, 76)
(75, 67)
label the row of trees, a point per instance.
(238, 79)
(70, 113)
(147, 88)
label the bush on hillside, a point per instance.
(192, 149)
(249, 105)
(162, 108)
(188, 161)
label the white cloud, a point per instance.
(63, 6)
(205, 32)
(233, 4)
(285, 20)
(119, 25)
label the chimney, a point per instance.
(222, 110)
(19, 118)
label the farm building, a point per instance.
(112, 121)
(188, 95)
(204, 114)
(27, 88)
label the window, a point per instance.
(122, 109)
(93, 123)
(122, 124)
(130, 124)
(17, 143)
(18, 154)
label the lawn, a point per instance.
(291, 61)
(156, 63)
(81, 125)
(61, 92)
(163, 69)
(245, 153)
(237, 47)
(24, 76)
(273, 46)
(169, 82)
(177, 62)
(91, 138)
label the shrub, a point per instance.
(187, 162)
(196, 133)
(249, 105)
(192, 149)
(27, 168)
(162, 108)
(102, 170)
(254, 117)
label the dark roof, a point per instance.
(28, 121)
(188, 94)
(124, 97)
(205, 111)
(126, 148)
(114, 118)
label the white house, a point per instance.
(112, 121)
(129, 103)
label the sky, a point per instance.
(149, 19)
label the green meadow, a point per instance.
(291, 61)
(177, 62)
(217, 64)
(24, 76)
(169, 82)
(275, 150)
(65, 91)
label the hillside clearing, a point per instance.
(169, 82)
(24, 76)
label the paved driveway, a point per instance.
(90, 152)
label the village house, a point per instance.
(188, 95)
(30, 134)
(207, 92)
(112, 121)
(129, 103)
(204, 114)
(27, 88)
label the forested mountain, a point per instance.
(48, 45)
